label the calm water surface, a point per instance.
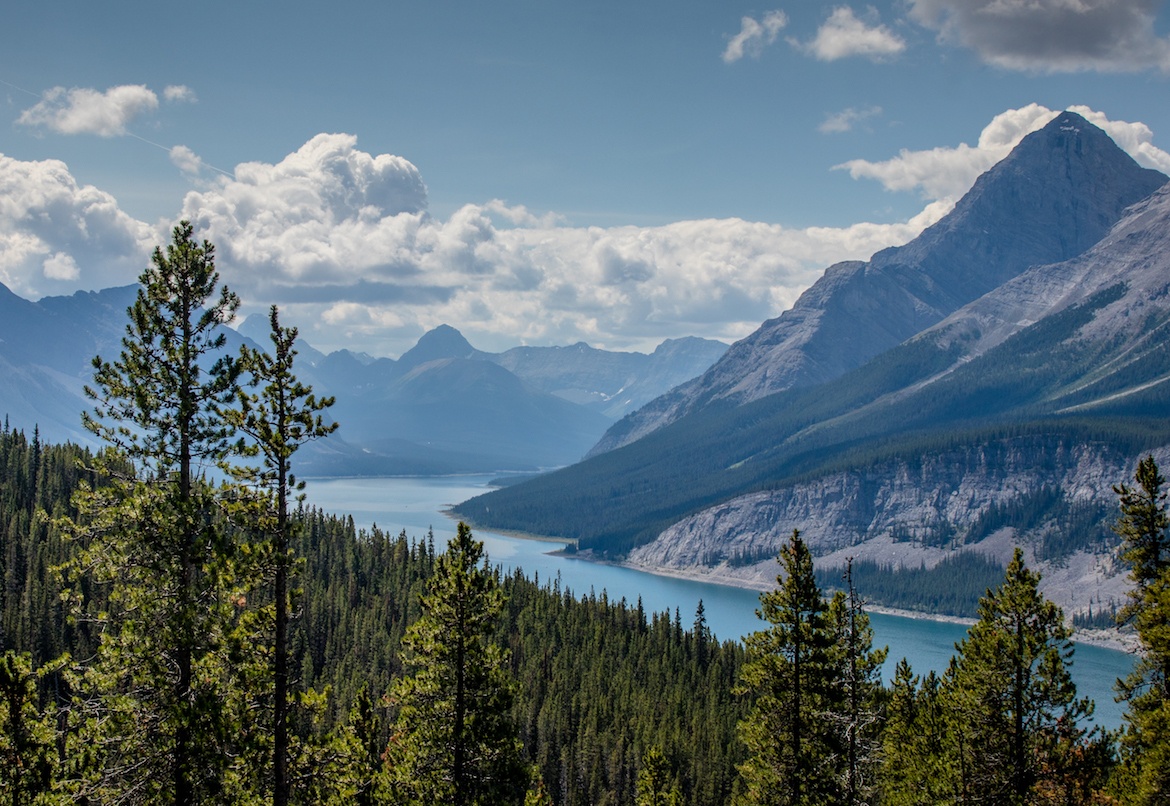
(417, 504)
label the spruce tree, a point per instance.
(1144, 777)
(792, 672)
(916, 738)
(156, 538)
(279, 418)
(454, 741)
(655, 786)
(1011, 695)
(857, 716)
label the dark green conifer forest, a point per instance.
(173, 635)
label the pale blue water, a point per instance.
(416, 504)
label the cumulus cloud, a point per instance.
(844, 35)
(847, 119)
(87, 111)
(754, 36)
(187, 161)
(946, 173)
(57, 236)
(178, 93)
(343, 240)
(1051, 35)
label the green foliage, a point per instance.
(156, 699)
(915, 769)
(1014, 706)
(856, 718)
(655, 787)
(1142, 524)
(811, 736)
(28, 736)
(278, 420)
(158, 401)
(453, 741)
(952, 587)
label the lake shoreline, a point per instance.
(1105, 639)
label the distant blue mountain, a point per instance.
(443, 407)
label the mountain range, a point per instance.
(982, 386)
(443, 407)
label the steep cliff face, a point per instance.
(1053, 197)
(914, 512)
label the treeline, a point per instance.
(606, 694)
(953, 587)
(599, 683)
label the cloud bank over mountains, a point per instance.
(343, 240)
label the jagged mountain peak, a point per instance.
(1053, 197)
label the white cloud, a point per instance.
(844, 35)
(87, 111)
(946, 173)
(1051, 35)
(60, 266)
(187, 161)
(178, 93)
(847, 119)
(57, 236)
(341, 239)
(754, 36)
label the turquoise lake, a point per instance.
(417, 504)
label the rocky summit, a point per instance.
(1056, 195)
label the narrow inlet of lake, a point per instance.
(416, 505)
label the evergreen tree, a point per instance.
(792, 671)
(279, 419)
(454, 741)
(1011, 694)
(857, 716)
(28, 736)
(655, 787)
(915, 742)
(1144, 777)
(157, 539)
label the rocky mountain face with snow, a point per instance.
(1017, 394)
(1053, 197)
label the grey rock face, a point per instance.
(887, 513)
(1053, 197)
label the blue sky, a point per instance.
(533, 172)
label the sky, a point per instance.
(533, 171)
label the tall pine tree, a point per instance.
(1144, 777)
(1011, 693)
(792, 672)
(454, 741)
(279, 418)
(156, 539)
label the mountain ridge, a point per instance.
(1072, 354)
(1055, 195)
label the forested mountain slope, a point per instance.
(1054, 196)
